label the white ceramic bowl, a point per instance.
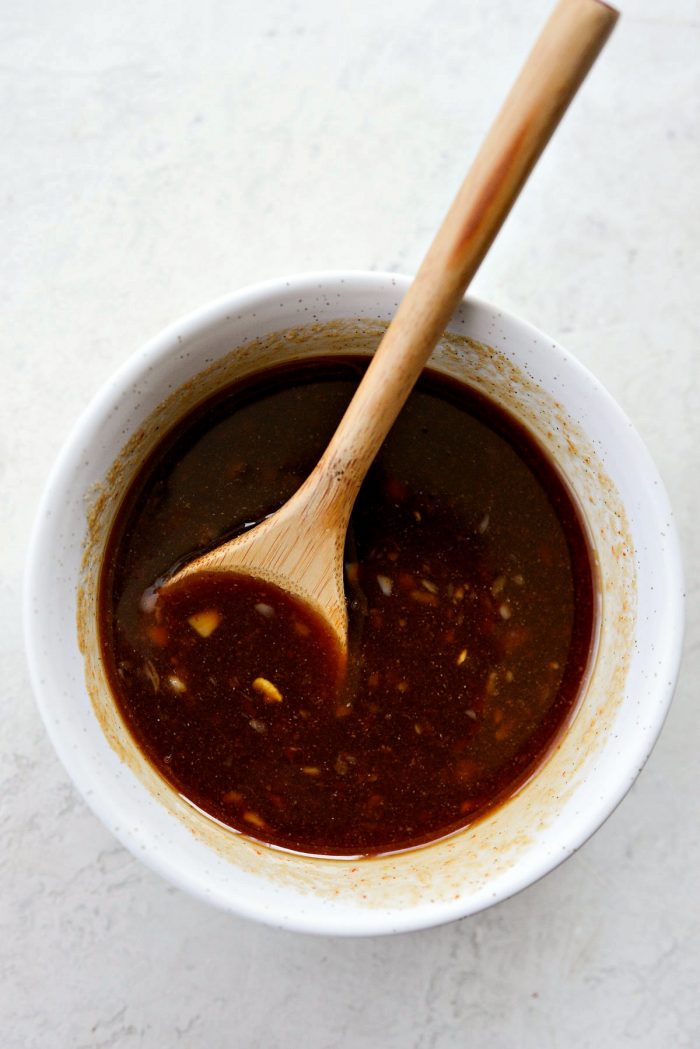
(628, 690)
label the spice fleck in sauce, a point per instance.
(471, 608)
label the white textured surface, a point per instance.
(155, 155)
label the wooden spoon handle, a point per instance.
(566, 49)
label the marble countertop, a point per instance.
(159, 154)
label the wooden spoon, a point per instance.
(300, 547)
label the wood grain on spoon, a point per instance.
(300, 547)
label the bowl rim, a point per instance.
(322, 920)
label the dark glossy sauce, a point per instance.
(471, 607)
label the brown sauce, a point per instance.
(471, 605)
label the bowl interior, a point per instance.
(629, 684)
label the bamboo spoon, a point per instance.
(300, 547)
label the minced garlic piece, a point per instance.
(386, 585)
(423, 598)
(271, 693)
(498, 585)
(252, 817)
(205, 623)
